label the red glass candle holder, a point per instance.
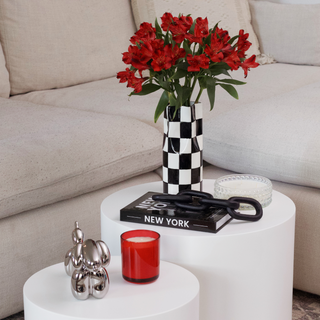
(140, 256)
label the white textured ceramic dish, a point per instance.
(244, 185)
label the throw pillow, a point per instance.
(288, 32)
(232, 14)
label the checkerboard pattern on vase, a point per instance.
(182, 149)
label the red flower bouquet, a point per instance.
(178, 54)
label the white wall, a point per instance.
(294, 1)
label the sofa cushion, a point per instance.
(54, 44)
(48, 154)
(232, 14)
(276, 137)
(288, 32)
(111, 97)
(4, 77)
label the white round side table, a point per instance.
(173, 296)
(245, 270)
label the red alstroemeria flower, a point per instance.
(133, 81)
(145, 33)
(136, 83)
(227, 49)
(185, 22)
(223, 34)
(214, 55)
(243, 44)
(233, 60)
(177, 53)
(138, 58)
(166, 19)
(127, 56)
(249, 63)
(197, 62)
(146, 50)
(179, 28)
(157, 44)
(178, 31)
(162, 59)
(214, 51)
(201, 29)
(192, 38)
(124, 76)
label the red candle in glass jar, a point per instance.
(140, 256)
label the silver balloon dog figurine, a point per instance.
(86, 263)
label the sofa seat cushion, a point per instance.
(54, 44)
(48, 154)
(276, 137)
(111, 97)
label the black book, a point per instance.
(148, 211)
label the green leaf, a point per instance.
(203, 82)
(172, 99)
(187, 47)
(225, 72)
(166, 38)
(215, 27)
(162, 104)
(146, 89)
(230, 89)
(207, 71)
(186, 92)
(183, 65)
(138, 45)
(180, 74)
(179, 95)
(192, 27)
(211, 91)
(232, 39)
(232, 81)
(216, 71)
(164, 84)
(158, 30)
(207, 40)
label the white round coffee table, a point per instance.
(173, 296)
(245, 270)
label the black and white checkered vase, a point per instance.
(182, 149)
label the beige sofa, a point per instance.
(70, 136)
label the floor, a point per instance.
(306, 306)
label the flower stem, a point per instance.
(199, 95)
(192, 88)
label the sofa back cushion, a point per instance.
(53, 44)
(277, 137)
(290, 33)
(4, 77)
(232, 14)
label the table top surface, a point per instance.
(50, 289)
(279, 211)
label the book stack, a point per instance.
(165, 214)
